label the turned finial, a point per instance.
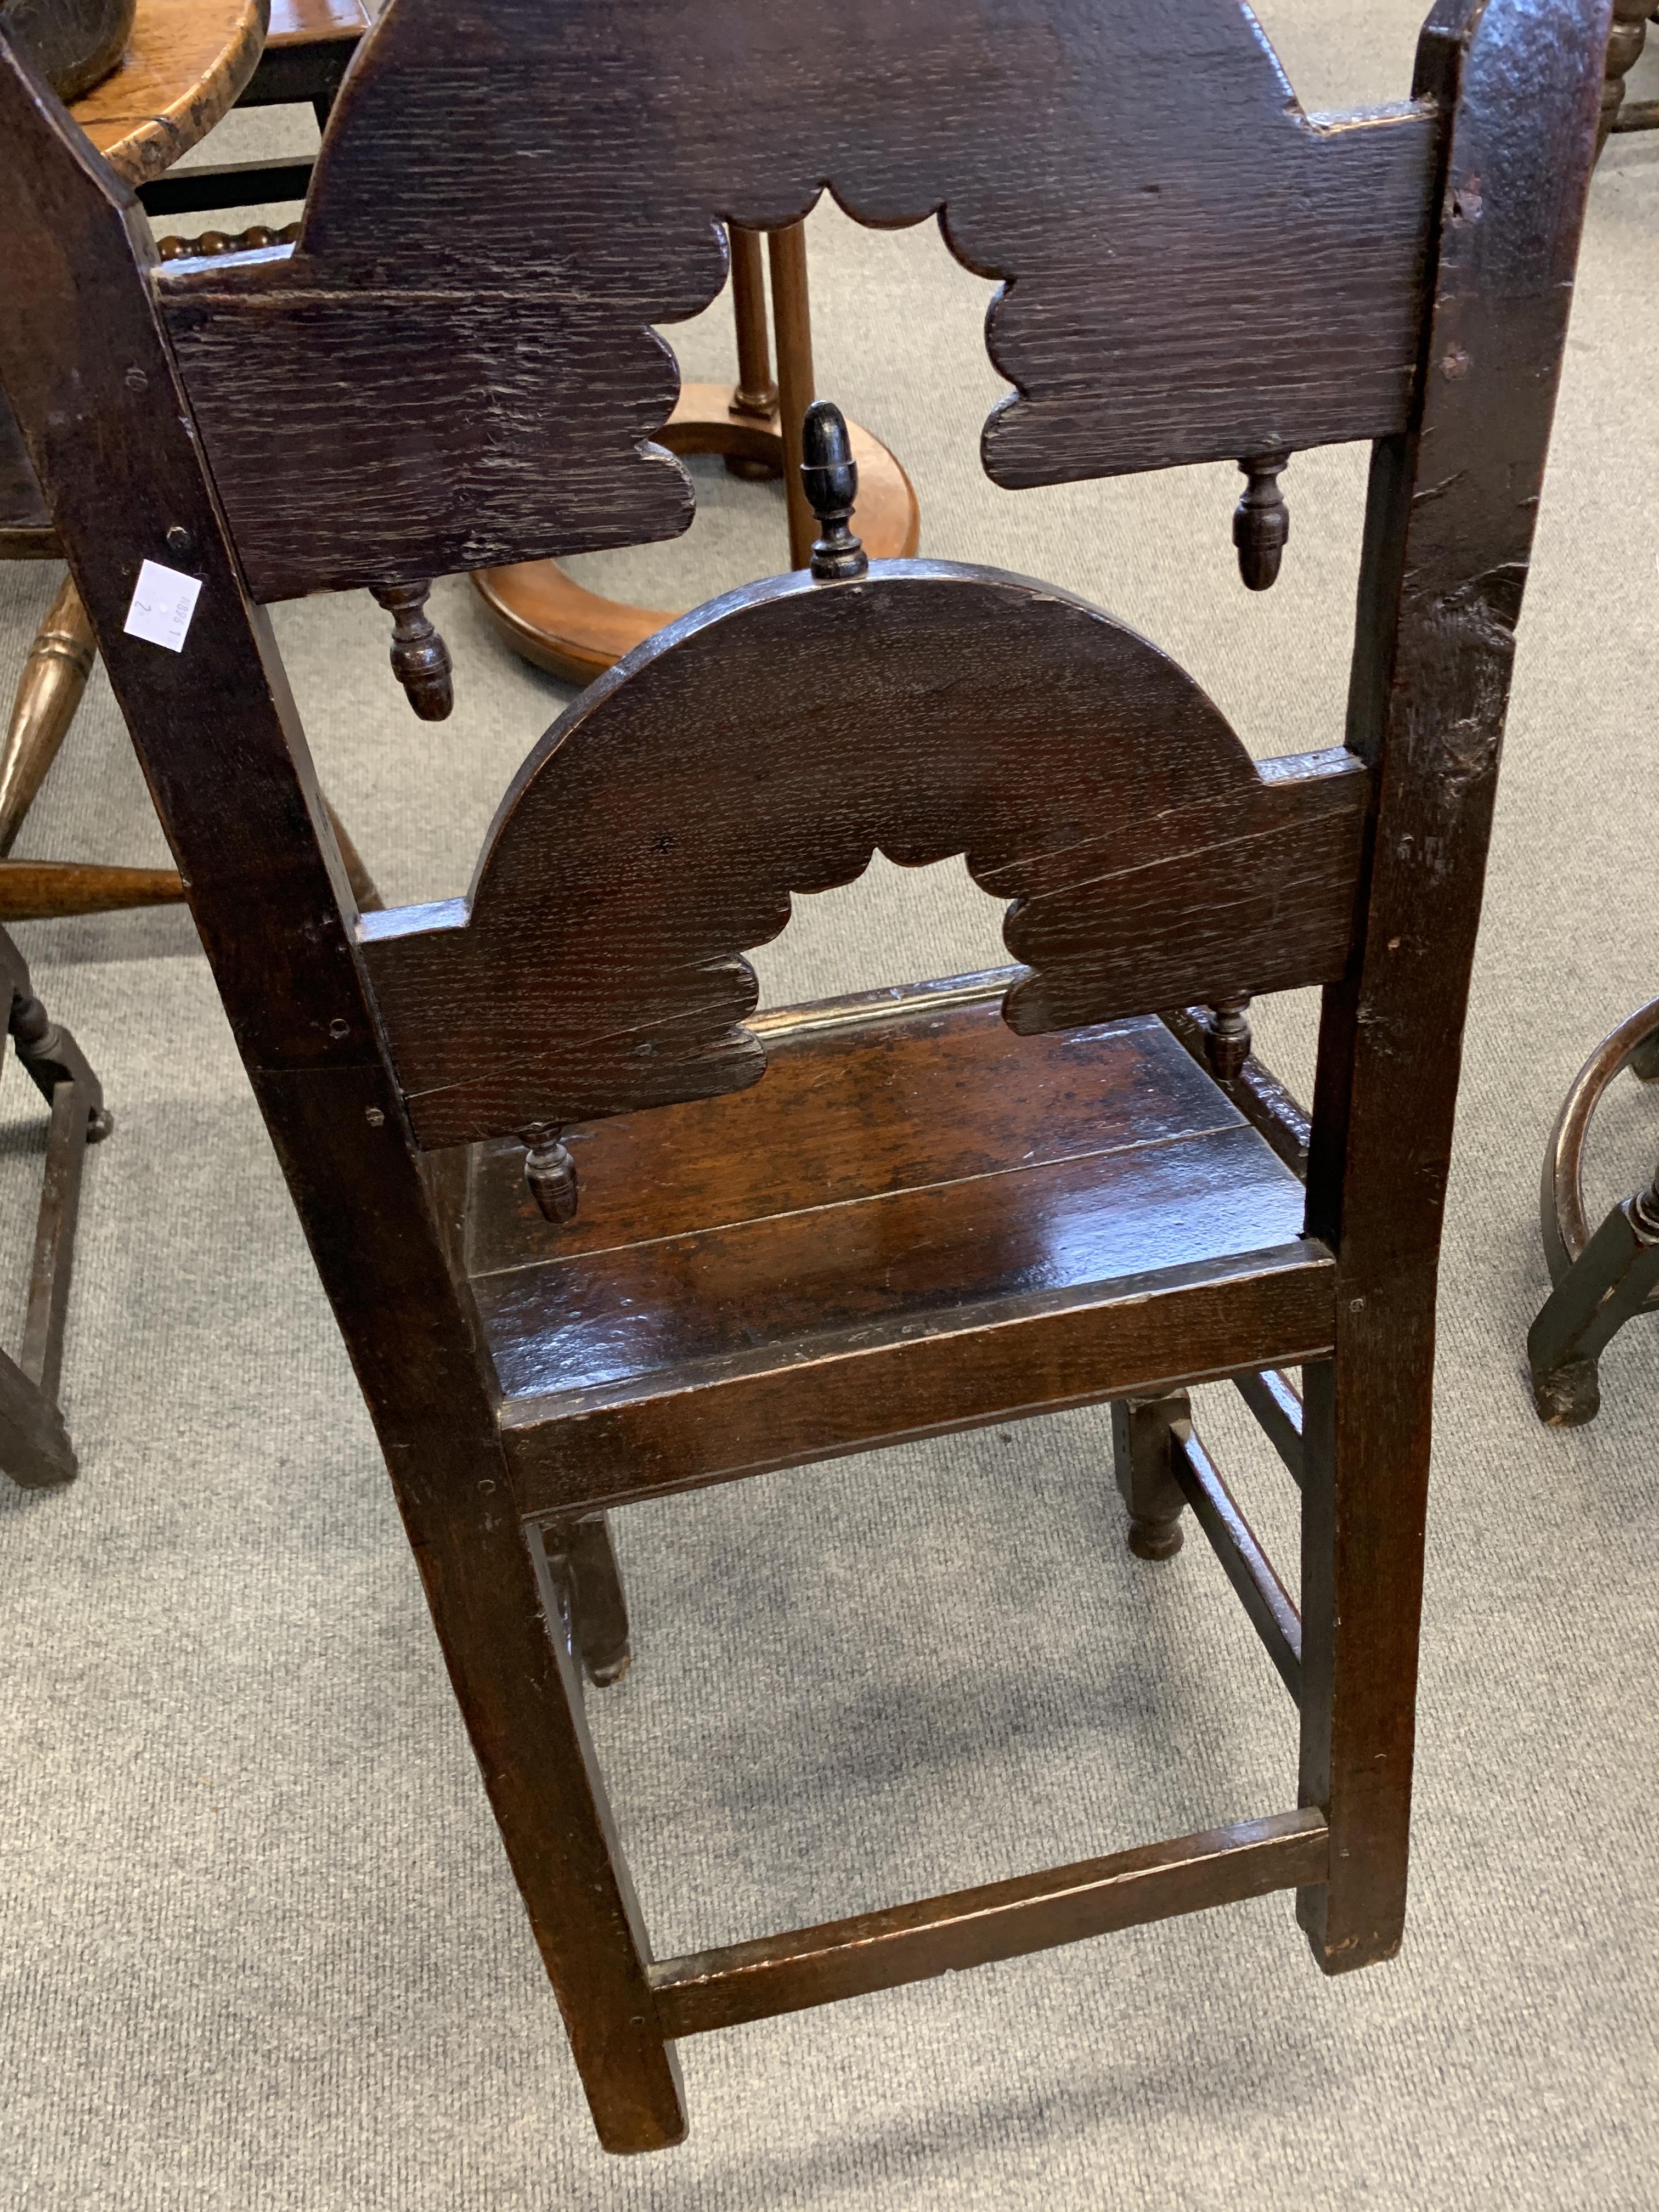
(551, 1172)
(1261, 521)
(830, 476)
(1227, 1040)
(420, 659)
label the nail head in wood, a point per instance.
(830, 476)
(420, 659)
(1261, 521)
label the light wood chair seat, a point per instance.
(750, 1276)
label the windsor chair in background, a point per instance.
(593, 1231)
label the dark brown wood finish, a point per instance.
(1000, 1920)
(1290, 255)
(1448, 535)
(1256, 1091)
(35, 1445)
(1143, 1460)
(918, 1221)
(935, 1212)
(91, 376)
(1272, 1614)
(1277, 1404)
(595, 968)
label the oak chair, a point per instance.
(593, 1231)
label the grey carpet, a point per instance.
(258, 1945)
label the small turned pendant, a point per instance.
(1227, 1042)
(551, 1172)
(420, 659)
(1261, 521)
(830, 477)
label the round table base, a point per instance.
(554, 621)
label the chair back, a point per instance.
(456, 364)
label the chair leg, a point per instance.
(54, 677)
(1366, 1431)
(499, 1619)
(584, 1562)
(1141, 1460)
(1614, 1279)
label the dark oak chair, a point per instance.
(593, 1232)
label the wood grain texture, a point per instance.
(48, 692)
(216, 731)
(185, 65)
(924, 709)
(1277, 1404)
(1448, 536)
(919, 1221)
(1192, 268)
(1270, 1609)
(998, 1920)
(1083, 776)
(39, 891)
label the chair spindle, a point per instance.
(1261, 521)
(420, 659)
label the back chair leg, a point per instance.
(1365, 1503)
(1143, 1463)
(583, 1559)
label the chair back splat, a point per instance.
(594, 1229)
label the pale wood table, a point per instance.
(186, 64)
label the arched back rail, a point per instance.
(769, 743)
(455, 365)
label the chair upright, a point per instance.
(593, 1232)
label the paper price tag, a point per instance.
(163, 602)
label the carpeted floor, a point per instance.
(259, 1944)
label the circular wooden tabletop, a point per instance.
(186, 65)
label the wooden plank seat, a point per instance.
(748, 1277)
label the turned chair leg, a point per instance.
(1614, 1279)
(1627, 38)
(54, 677)
(583, 1560)
(1141, 1460)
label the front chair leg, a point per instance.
(1141, 1460)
